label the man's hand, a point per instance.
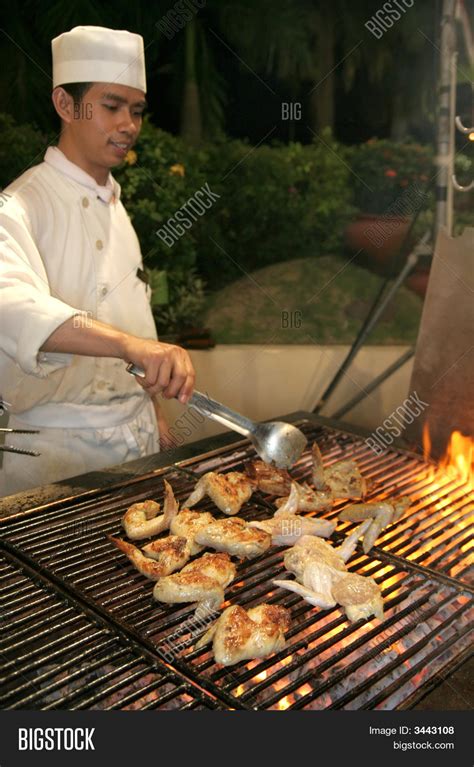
(168, 368)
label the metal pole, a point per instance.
(445, 153)
(375, 313)
(452, 143)
(374, 384)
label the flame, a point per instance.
(284, 703)
(262, 675)
(457, 462)
(459, 458)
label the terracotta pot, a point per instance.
(379, 236)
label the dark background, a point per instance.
(243, 51)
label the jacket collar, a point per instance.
(108, 193)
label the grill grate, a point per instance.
(332, 663)
(422, 564)
(54, 656)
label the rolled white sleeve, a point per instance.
(28, 311)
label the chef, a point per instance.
(74, 305)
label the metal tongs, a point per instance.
(275, 442)
(20, 450)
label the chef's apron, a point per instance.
(67, 452)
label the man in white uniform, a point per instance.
(74, 308)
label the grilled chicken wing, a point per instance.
(322, 578)
(343, 479)
(188, 523)
(318, 478)
(161, 557)
(234, 536)
(302, 497)
(228, 491)
(286, 529)
(171, 552)
(141, 520)
(246, 634)
(267, 478)
(311, 549)
(202, 581)
(381, 514)
(357, 512)
(360, 596)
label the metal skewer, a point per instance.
(19, 431)
(20, 450)
(11, 449)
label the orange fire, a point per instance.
(458, 461)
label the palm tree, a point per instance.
(306, 44)
(295, 43)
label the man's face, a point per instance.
(106, 124)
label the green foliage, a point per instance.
(152, 193)
(276, 203)
(20, 147)
(382, 170)
(185, 307)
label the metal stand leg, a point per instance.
(383, 299)
(375, 383)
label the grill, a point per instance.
(55, 655)
(66, 586)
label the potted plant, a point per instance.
(389, 186)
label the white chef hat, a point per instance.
(98, 54)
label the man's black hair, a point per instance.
(76, 90)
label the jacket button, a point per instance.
(85, 202)
(99, 244)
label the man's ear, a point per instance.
(63, 104)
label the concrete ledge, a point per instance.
(262, 382)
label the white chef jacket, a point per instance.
(67, 246)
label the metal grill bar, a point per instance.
(428, 547)
(427, 658)
(372, 681)
(302, 625)
(55, 657)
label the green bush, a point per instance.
(382, 170)
(277, 202)
(274, 203)
(162, 175)
(185, 307)
(20, 147)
